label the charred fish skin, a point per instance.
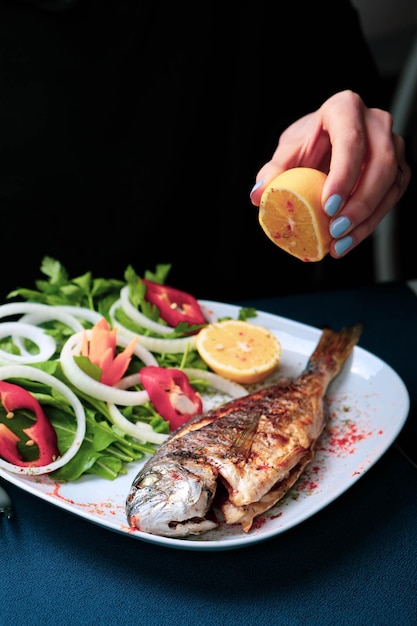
(257, 446)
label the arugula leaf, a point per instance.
(91, 369)
(107, 467)
(160, 274)
(84, 291)
(246, 313)
(137, 290)
(56, 272)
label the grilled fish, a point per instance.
(251, 450)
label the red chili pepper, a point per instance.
(174, 306)
(171, 393)
(42, 432)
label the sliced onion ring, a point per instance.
(217, 382)
(34, 313)
(132, 380)
(138, 317)
(45, 343)
(20, 308)
(159, 345)
(92, 387)
(140, 430)
(39, 317)
(32, 373)
(80, 312)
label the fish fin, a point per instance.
(334, 348)
(242, 444)
(246, 514)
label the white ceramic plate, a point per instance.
(368, 404)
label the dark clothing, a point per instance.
(131, 134)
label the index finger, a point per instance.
(344, 121)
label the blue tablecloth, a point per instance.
(355, 562)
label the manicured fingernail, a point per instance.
(342, 245)
(333, 204)
(257, 185)
(339, 226)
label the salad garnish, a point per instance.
(100, 371)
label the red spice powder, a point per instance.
(340, 438)
(344, 437)
(258, 523)
(94, 508)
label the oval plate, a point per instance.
(368, 404)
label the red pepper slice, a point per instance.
(174, 305)
(42, 432)
(171, 394)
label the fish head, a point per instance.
(171, 499)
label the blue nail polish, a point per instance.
(339, 226)
(333, 204)
(342, 245)
(257, 185)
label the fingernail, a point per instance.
(339, 226)
(342, 245)
(257, 185)
(333, 204)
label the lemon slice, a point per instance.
(239, 351)
(291, 214)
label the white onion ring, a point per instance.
(140, 430)
(217, 382)
(20, 308)
(138, 317)
(132, 380)
(169, 346)
(35, 313)
(45, 343)
(59, 311)
(80, 312)
(92, 387)
(39, 317)
(32, 373)
(159, 345)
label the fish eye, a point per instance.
(148, 481)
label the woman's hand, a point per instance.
(364, 159)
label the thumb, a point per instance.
(265, 175)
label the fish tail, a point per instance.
(334, 348)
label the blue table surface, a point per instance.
(354, 562)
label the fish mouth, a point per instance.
(185, 528)
(172, 500)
